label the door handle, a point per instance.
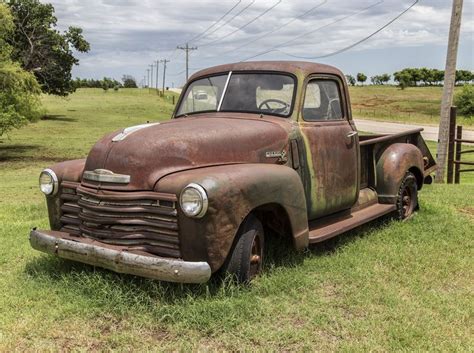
(352, 133)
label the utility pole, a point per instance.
(164, 61)
(151, 75)
(187, 48)
(148, 78)
(157, 62)
(448, 89)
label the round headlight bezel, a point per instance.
(54, 179)
(204, 200)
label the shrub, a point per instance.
(464, 100)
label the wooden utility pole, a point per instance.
(164, 61)
(448, 89)
(151, 75)
(187, 48)
(157, 62)
(148, 78)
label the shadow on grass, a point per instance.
(58, 117)
(113, 291)
(27, 153)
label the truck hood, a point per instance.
(148, 152)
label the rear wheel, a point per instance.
(245, 260)
(407, 199)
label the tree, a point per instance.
(41, 49)
(384, 78)
(129, 81)
(361, 78)
(464, 100)
(403, 78)
(19, 91)
(351, 80)
(464, 76)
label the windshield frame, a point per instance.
(238, 72)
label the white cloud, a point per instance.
(126, 35)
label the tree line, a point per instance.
(412, 77)
(106, 83)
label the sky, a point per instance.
(127, 36)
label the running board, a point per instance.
(322, 230)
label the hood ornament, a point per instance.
(130, 130)
(106, 176)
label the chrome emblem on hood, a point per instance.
(106, 176)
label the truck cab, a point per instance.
(253, 150)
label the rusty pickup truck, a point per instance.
(253, 150)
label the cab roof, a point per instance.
(294, 67)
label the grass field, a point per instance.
(386, 286)
(415, 105)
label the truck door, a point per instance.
(332, 148)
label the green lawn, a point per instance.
(415, 105)
(386, 286)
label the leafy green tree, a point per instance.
(464, 76)
(129, 81)
(361, 78)
(403, 78)
(41, 49)
(19, 91)
(464, 100)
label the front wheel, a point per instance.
(407, 198)
(245, 260)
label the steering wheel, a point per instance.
(267, 102)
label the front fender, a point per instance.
(233, 192)
(392, 165)
(65, 171)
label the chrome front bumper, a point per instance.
(116, 259)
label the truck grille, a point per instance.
(143, 221)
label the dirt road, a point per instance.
(382, 127)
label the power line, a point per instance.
(230, 20)
(292, 40)
(242, 27)
(356, 43)
(216, 22)
(278, 28)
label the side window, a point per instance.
(322, 101)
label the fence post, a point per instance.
(452, 132)
(457, 166)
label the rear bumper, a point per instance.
(116, 259)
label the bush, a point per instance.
(19, 97)
(464, 100)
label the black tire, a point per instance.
(407, 198)
(245, 259)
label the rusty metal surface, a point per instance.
(284, 170)
(392, 165)
(119, 259)
(199, 141)
(298, 68)
(234, 191)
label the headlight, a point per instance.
(193, 201)
(48, 182)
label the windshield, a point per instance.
(263, 93)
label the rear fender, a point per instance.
(233, 192)
(392, 165)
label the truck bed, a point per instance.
(370, 145)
